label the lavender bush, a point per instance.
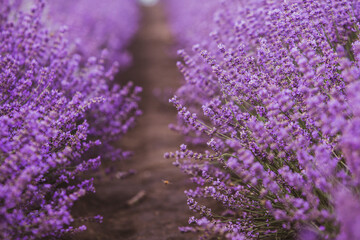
(54, 108)
(96, 26)
(191, 21)
(274, 89)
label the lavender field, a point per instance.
(180, 119)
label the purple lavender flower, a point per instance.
(97, 26)
(347, 210)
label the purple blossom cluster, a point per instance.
(273, 90)
(55, 106)
(96, 26)
(191, 21)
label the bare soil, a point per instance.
(161, 207)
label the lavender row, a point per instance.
(57, 106)
(96, 26)
(191, 21)
(273, 90)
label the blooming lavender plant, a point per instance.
(96, 26)
(52, 111)
(183, 14)
(277, 89)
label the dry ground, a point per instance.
(163, 209)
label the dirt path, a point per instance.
(163, 209)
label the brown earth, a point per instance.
(159, 213)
